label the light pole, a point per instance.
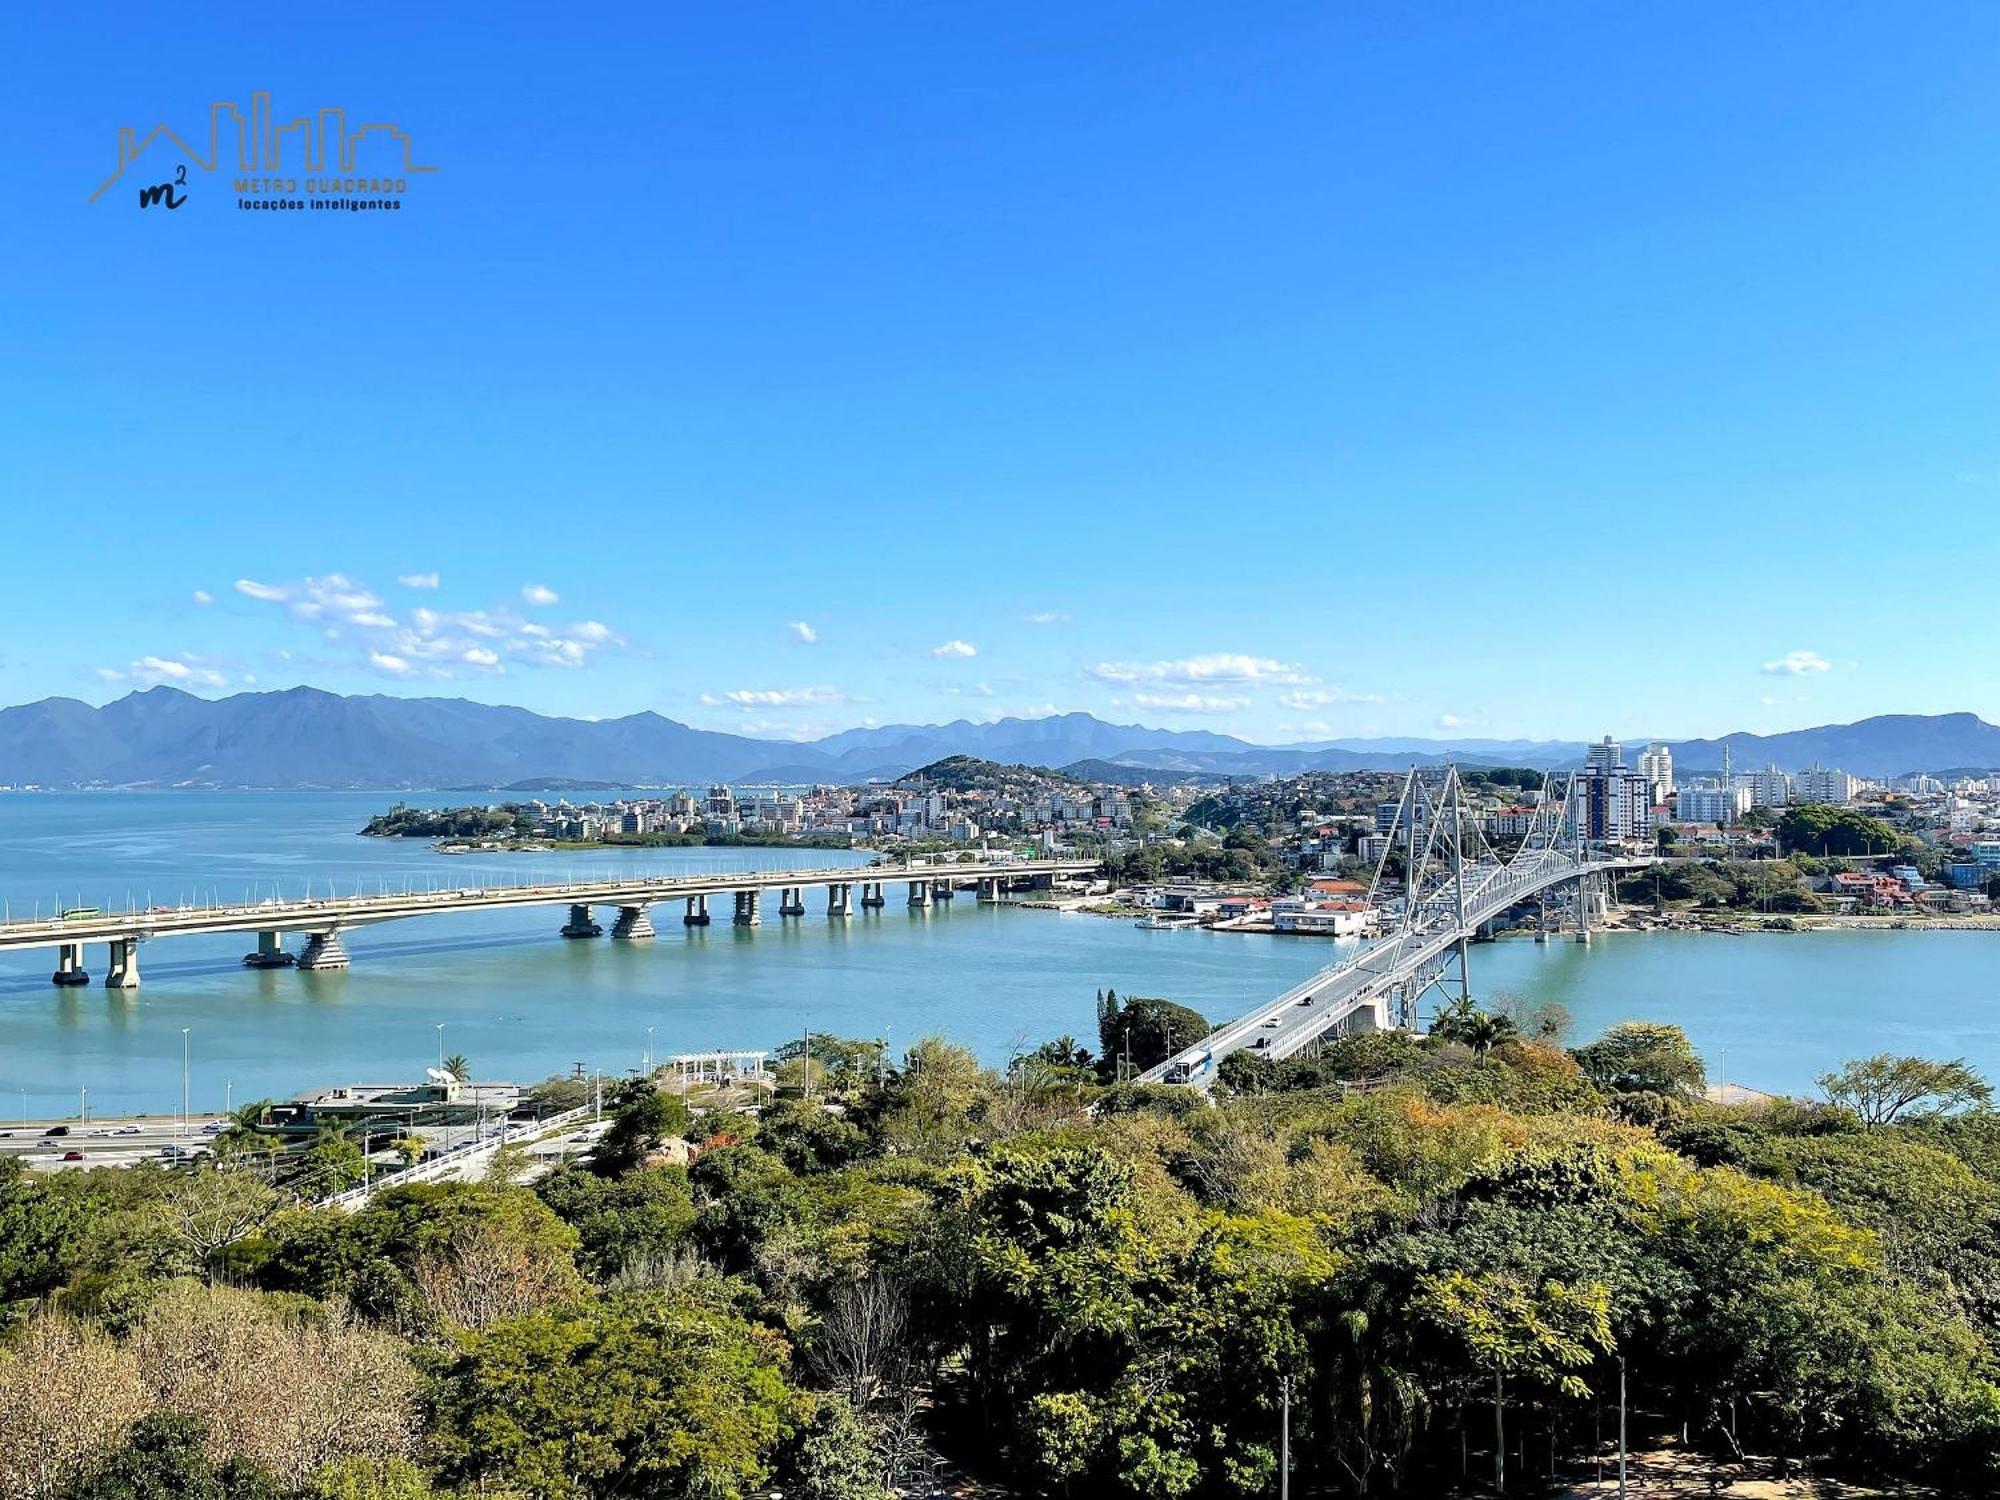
(184, 1085)
(445, 1110)
(1621, 1427)
(1285, 1444)
(649, 1052)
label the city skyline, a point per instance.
(1497, 376)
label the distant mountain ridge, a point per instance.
(305, 737)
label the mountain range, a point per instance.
(304, 737)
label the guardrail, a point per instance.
(457, 1156)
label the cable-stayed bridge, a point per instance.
(1453, 885)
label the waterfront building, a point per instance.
(1610, 803)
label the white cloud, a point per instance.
(433, 643)
(1189, 703)
(185, 670)
(1797, 664)
(418, 580)
(1458, 721)
(955, 650)
(1213, 667)
(774, 697)
(203, 596)
(540, 593)
(1046, 617)
(1310, 698)
(803, 631)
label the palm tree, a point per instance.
(1488, 1031)
(458, 1066)
(248, 1132)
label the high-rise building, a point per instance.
(1711, 804)
(1817, 784)
(1656, 764)
(1769, 787)
(1610, 804)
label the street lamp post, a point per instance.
(446, 1110)
(184, 1085)
(649, 1052)
(1621, 1427)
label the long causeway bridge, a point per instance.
(322, 922)
(1456, 889)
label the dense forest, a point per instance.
(1446, 1248)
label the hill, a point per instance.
(304, 737)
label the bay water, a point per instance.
(1772, 1011)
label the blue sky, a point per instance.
(1297, 371)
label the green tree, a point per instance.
(331, 1164)
(642, 1120)
(1643, 1057)
(630, 1395)
(1140, 1031)
(165, 1457)
(370, 1479)
(1818, 828)
(1884, 1088)
(1544, 1333)
(831, 1457)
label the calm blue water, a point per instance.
(521, 1003)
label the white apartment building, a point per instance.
(1656, 764)
(1818, 784)
(1606, 755)
(1711, 804)
(1769, 787)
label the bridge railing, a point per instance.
(1434, 925)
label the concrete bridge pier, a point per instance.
(697, 911)
(269, 953)
(633, 924)
(871, 893)
(581, 924)
(747, 911)
(792, 901)
(989, 890)
(124, 971)
(942, 891)
(920, 893)
(69, 966)
(839, 900)
(324, 951)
